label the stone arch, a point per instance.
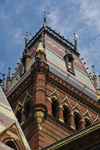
(19, 106)
(18, 115)
(58, 101)
(11, 142)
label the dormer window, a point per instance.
(69, 63)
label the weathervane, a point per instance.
(45, 18)
(75, 41)
(75, 38)
(26, 38)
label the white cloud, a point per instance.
(1, 66)
(18, 36)
(20, 8)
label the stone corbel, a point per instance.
(39, 117)
(60, 113)
(81, 124)
(39, 111)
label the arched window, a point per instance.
(65, 114)
(76, 119)
(18, 115)
(54, 107)
(11, 144)
(27, 109)
(87, 123)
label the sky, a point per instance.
(66, 17)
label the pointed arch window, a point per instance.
(11, 144)
(54, 107)
(65, 114)
(27, 109)
(69, 63)
(76, 119)
(18, 115)
(87, 123)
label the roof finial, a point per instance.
(45, 19)
(75, 41)
(2, 81)
(95, 80)
(26, 38)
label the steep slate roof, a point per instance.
(8, 122)
(55, 51)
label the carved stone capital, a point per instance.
(49, 99)
(81, 121)
(70, 114)
(60, 107)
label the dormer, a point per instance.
(69, 63)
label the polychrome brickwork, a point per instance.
(7, 117)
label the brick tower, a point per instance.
(51, 93)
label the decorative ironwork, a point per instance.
(53, 33)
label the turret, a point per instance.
(25, 58)
(8, 80)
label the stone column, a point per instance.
(81, 124)
(59, 113)
(49, 105)
(70, 120)
(24, 115)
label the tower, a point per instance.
(52, 94)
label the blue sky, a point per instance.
(66, 17)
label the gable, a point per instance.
(9, 126)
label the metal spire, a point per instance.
(45, 19)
